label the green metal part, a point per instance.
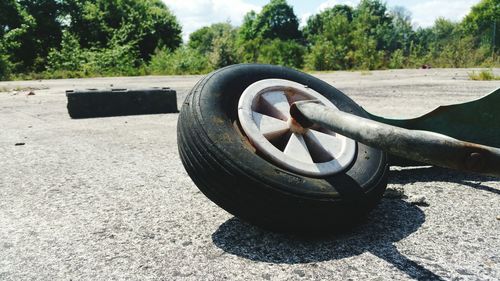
(476, 121)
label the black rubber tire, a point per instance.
(227, 169)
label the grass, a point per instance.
(20, 89)
(483, 75)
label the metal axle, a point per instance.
(422, 146)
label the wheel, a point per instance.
(241, 148)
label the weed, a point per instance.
(483, 75)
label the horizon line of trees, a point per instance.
(82, 38)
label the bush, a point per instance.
(115, 60)
(183, 61)
(326, 55)
(248, 51)
(287, 53)
(397, 59)
(321, 56)
(367, 56)
(223, 52)
(70, 57)
(72, 61)
(5, 67)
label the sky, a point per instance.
(194, 14)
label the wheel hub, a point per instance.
(295, 127)
(264, 114)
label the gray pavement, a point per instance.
(108, 198)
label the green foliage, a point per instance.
(247, 30)
(316, 24)
(184, 60)
(272, 36)
(248, 51)
(322, 56)
(483, 75)
(333, 50)
(217, 42)
(114, 36)
(223, 52)
(376, 38)
(481, 21)
(287, 53)
(70, 57)
(151, 24)
(118, 58)
(80, 38)
(5, 67)
(397, 59)
(17, 36)
(373, 21)
(276, 21)
(203, 38)
(402, 33)
(47, 30)
(367, 56)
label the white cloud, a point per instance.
(194, 14)
(426, 12)
(304, 17)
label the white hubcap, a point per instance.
(264, 114)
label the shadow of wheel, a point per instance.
(391, 221)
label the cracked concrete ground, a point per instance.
(108, 198)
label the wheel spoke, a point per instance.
(297, 149)
(269, 126)
(264, 116)
(324, 142)
(276, 104)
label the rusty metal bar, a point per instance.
(422, 146)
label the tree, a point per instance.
(444, 30)
(117, 58)
(322, 56)
(5, 67)
(402, 29)
(17, 38)
(184, 60)
(203, 38)
(47, 30)
(372, 22)
(276, 21)
(217, 42)
(247, 30)
(150, 23)
(442, 34)
(484, 23)
(287, 53)
(276, 26)
(223, 51)
(334, 47)
(316, 23)
(363, 37)
(69, 57)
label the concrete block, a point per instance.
(91, 103)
